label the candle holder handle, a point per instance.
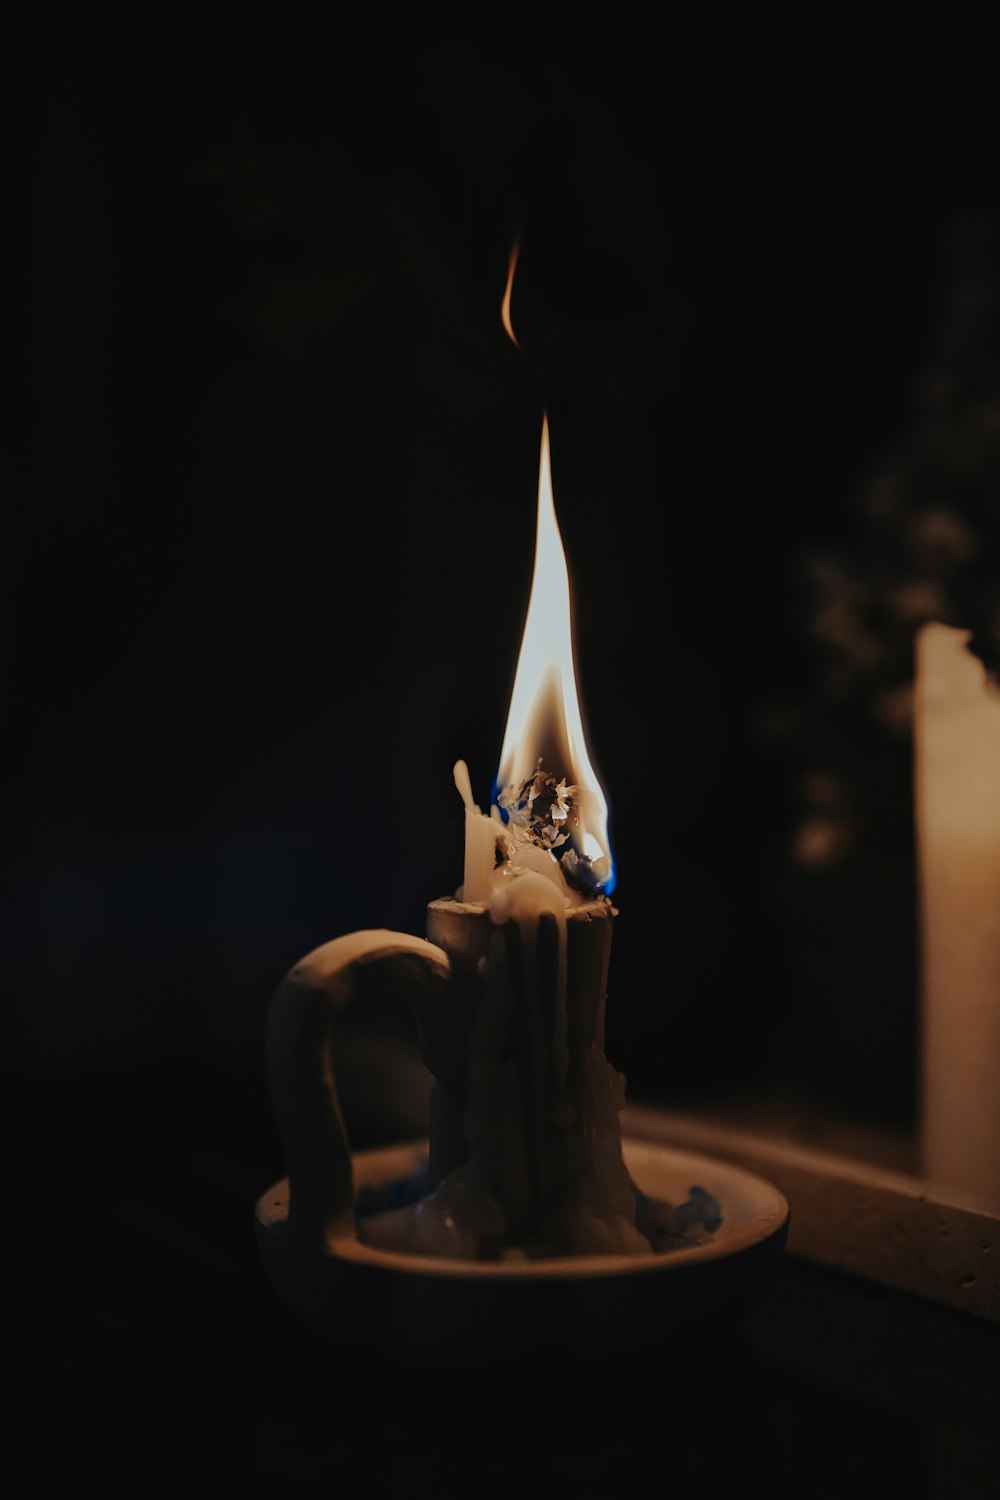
(299, 1053)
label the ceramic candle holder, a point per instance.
(518, 1223)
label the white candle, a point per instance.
(957, 791)
(526, 1108)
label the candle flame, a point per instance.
(515, 250)
(546, 788)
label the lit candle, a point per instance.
(957, 788)
(525, 1122)
(509, 991)
(525, 1119)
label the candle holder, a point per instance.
(525, 1230)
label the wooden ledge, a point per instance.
(870, 1220)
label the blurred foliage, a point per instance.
(921, 543)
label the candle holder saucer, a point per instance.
(561, 1315)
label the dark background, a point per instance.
(268, 553)
(272, 543)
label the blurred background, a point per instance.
(271, 553)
